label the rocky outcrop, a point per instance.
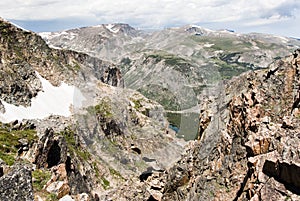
(24, 53)
(249, 150)
(16, 184)
(50, 150)
(2, 108)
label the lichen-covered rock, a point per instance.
(16, 185)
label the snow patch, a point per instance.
(201, 28)
(51, 101)
(208, 45)
(112, 28)
(45, 34)
(50, 35)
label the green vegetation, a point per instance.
(74, 66)
(95, 167)
(187, 123)
(229, 44)
(162, 95)
(51, 197)
(9, 142)
(178, 63)
(125, 65)
(73, 146)
(103, 108)
(157, 57)
(115, 173)
(40, 178)
(137, 103)
(126, 61)
(228, 71)
(139, 107)
(199, 89)
(140, 164)
(105, 183)
(268, 46)
(174, 119)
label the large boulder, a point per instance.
(16, 184)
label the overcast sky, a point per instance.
(279, 17)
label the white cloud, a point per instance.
(154, 13)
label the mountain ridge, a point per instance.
(241, 144)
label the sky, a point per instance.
(279, 17)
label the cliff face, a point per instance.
(114, 137)
(248, 148)
(23, 53)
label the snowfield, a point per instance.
(51, 101)
(111, 28)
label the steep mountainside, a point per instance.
(23, 53)
(66, 130)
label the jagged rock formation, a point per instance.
(249, 149)
(248, 143)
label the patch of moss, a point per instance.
(83, 154)
(105, 183)
(69, 135)
(40, 178)
(115, 173)
(8, 158)
(137, 103)
(103, 108)
(74, 147)
(9, 142)
(51, 197)
(76, 66)
(95, 167)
